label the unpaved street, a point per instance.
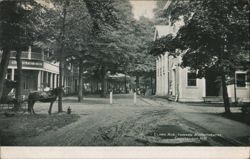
(150, 122)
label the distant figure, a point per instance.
(12, 93)
(8, 95)
(46, 91)
(46, 88)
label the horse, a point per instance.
(45, 97)
(8, 86)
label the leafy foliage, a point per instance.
(19, 23)
(215, 36)
(163, 44)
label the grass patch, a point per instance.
(25, 125)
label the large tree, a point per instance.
(75, 26)
(19, 27)
(79, 35)
(7, 9)
(112, 45)
(215, 37)
(143, 64)
(66, 24)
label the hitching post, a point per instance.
(111, 97)
(134, 97)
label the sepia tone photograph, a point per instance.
(141, 73)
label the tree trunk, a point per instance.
(125, 84)
(3, 68)
(225, 94)
(151, 83)
(80, 96)
(235, 93)
(61, 61)
(97, 86)
(104, 82)
(91, 87)
(61, 66)
(137, 81)
(19, 86)
(223, 77)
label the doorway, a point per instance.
(213, 84)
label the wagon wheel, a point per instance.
(9, 111)
(22, 109)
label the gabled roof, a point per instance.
(161, 30)
(167, 4)
(45, 3)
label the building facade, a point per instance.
(40, 71)
(180, 84)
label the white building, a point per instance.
(179, 84)
(38, 70)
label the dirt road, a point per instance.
(149, 122)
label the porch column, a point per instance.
(162, 79)
(45, 74)
(157, 76)
(57, 80)
(163, 74)
(42, 82)
(54, 80)
(173, 81)
(12, 74)
(167, 73)
(48, 79)
(51, 80)
(39, 80)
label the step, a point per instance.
(214, 99)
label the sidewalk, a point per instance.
(209, 119)
(229, 129)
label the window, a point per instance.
(191, 79)
(241, 79)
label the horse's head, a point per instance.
(57, 91)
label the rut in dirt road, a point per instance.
(151, 122)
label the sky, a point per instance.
(140, 7)
(143, 8)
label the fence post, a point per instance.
(111, 97)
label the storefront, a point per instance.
(39, 72)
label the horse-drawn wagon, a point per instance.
(8, 100)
